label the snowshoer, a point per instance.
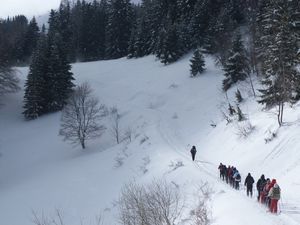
(274, 195)
(224, 173)
(260, 185)
(221, 169)
(237, 180)
(266, 190)
(249, 181)
(193, 152)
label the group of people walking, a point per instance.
(269, 193)
(268, 190)
(231, 175)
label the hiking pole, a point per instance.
(280, 204)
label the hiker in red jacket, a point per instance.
(274, 195)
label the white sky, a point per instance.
(28, 8)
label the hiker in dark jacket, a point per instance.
(260, 185)
(249, 181)
(220, 168)
(193, 152)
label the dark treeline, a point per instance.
(247, 37)
(18, 39)
(109, 29)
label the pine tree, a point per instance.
(282, 77)
(140, 41)
(197, 63)
(238, 96)
(59, 78)
(31, 39)
(65, 27)
(231, 110)
(119, 28)
(171, 49)
(240, 114)
(236, 68)
(34, 101)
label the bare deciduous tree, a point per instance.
(8, 80)
(158, 203)
(81, 116)
(201, 214)
(115, 124)
(128, 134)
(56, 219)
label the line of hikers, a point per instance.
(268, 191)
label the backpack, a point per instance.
(238, 177)
(276, 193)
(193, 151)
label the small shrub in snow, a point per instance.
(270, 136)
(173, 86)
(226, 117)
(244, 129)
(144, 139)
(119, 161)
(175, 116)
(201, 214)
(57, 219)
(176, 165)
(213, 124)
(156, 203)
(146, 162)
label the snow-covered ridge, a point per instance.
(168, 112)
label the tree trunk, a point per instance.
(280, 113)
(281, 116)
(82, 144)
(251, 83)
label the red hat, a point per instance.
(273, 181)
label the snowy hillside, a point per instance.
(168, 112)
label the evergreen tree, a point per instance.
(231, 110)
(58, 77)
(119, 28)
(238, 96)
(240, 114)
(236, 68)
(197, 63)
(31, 39)
(34, 101)
(282, 77)
(140, 42)
(170, 46)
(65, 27)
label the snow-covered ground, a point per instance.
(168, 112)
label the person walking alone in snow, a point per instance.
(193, 152)
(249, 181)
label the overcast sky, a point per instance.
(28, 8)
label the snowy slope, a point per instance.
(168, 112)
